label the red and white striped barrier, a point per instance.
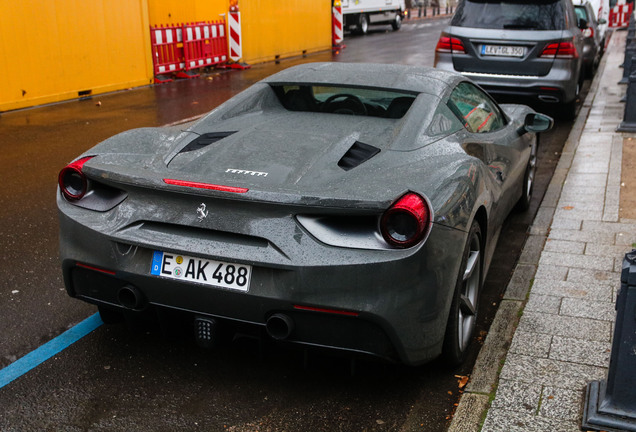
(338, 33)
(178, 49)
(167, 50)
(619, 15)
(234, 25)
(204, 44)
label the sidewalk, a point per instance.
(533, 377)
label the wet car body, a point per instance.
(530, 50)
(288, 219)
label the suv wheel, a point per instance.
(569, 109)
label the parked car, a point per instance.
(530, 50)
(593, 45)
(601, 10)
(352, 207)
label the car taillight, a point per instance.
(72, 181)
(447, 44)
(562, 50)
(588, 32)
(407, 221)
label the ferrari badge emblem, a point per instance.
(202, 213)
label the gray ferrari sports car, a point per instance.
(352, 207)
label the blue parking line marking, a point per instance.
(49, 349)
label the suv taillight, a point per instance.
(561, 50)
(588, 32)
(450, 45)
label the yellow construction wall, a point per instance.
(54, 50)
(284, 28)
(51, 50)
(163, 12)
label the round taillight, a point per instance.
(406, 222)
(72, 181)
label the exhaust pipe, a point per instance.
(279, 326)
(205, 332)
(131, 298)
(549, 98)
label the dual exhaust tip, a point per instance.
(278, 326)
(131, 297)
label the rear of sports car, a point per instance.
(262, 264)
(280, 251)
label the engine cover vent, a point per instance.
(356, 155)
(205, 140)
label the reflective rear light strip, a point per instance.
(108, 272)
(330, 311)
(198, 185)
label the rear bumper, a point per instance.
(559, 86)
(362, 334)
(386, 308)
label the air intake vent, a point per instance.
(357, 154)
(205, 140)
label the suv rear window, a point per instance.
(513, 15)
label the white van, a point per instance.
(359, 14)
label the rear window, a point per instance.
(372, 102)
(513, 15)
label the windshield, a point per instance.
(345, 100)
(514, 15)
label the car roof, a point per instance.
(416, 79)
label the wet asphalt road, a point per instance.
(115, 379)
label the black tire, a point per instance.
(462, 318)
(590, 69)
(363, 24)
(397, 22)
(568, 111)
(528, 179)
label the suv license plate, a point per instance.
(503, 50)
(207, 272)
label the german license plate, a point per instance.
(208, 272)
(503, 50)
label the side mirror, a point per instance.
(602, 21)
(582, 23)
(536, 123)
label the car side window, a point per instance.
(475, 109)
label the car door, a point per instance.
(493, 139)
